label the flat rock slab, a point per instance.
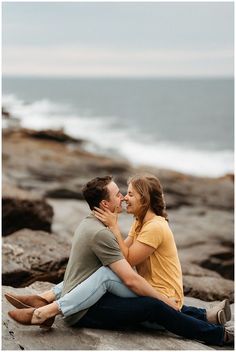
(62, 337)
(208, 288)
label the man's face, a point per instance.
(116, 198)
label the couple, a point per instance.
(100, 287)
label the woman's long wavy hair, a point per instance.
(150, 190)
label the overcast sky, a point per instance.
(118, 39)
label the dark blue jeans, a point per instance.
(113, 312)
(198, 313)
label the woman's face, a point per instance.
(132, 199)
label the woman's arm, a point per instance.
(129, 241)
(134, 252)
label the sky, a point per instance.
(115, 39)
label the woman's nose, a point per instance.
(126, 197)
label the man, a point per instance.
(94, 246)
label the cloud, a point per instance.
(91, 61)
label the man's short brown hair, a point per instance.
(96, 190)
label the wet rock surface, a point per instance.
(42, 181)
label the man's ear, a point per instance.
(104, 204)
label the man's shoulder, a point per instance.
(103, 233)
(90, 225)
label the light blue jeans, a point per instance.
(88, 292)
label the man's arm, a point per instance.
(137, 283)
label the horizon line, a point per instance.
(118, 77)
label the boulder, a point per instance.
(21, 209)
(29, 256)
(62, 337)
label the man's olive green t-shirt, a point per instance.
(93, 246)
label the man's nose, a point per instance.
(122, 197)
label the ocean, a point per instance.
(185, 125)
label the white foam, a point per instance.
(106, 137)
(173, 157)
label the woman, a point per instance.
(150, 247)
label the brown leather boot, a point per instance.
(26, 301)
(24, 316)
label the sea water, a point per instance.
(185, 125)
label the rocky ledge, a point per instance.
(62, 337)
(43, 174)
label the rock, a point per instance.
(212, 255)
(196, 225)
(217, 193)
(5, 113)
(205, 237)
(46, 165)
(64, 193)
(9, 122)
(222, 262)
(208, 288)
(62, 337)
(29, 256)
(53, 135)
(21, 209)
(197, 271)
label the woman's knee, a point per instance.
(105, 272)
